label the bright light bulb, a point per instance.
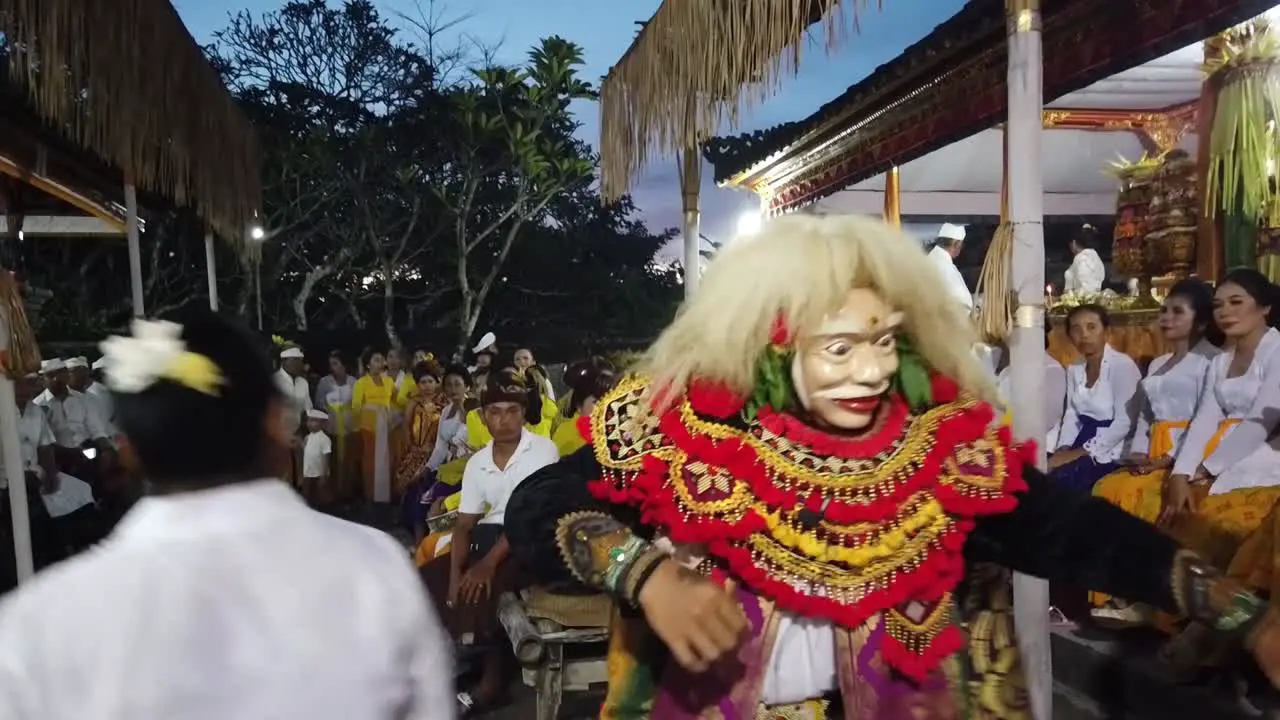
(257, 233)
(749, 223)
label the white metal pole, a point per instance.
(690, 187)
(11, 452)
(1026, 342)
(135, 249)
(211, 267)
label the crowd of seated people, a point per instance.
(1189, 445)
(76, 488)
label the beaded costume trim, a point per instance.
(822, 525)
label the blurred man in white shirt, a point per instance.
(221, 595)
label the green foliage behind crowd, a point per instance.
(414, 191)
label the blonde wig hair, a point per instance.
(800, 268)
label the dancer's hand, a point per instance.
(699, 621)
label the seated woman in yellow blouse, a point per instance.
(588, 380)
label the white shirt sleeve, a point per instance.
(1070, 426)
(94, 425)
(438, 453)
(543, 453)
(1094, 273)
(430, 663)
(1124, 379)
(472, 501)
(323, 388)
(1140, 438)
(1256, 427)
(1055, 399)
(47, 437)
(1203, 426)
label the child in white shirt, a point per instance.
(315, 458)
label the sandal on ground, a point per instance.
(1057, 618)
(471, 706)
(1119, 616)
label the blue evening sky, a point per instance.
(606, 27)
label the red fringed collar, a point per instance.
(825, 526)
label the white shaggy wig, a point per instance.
(800, 268)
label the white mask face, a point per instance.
(843, 369)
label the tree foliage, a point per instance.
(402, 197)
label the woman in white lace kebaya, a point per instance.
(1087, 271)
(1165, 405)
(1226, 477)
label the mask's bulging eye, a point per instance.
(839, 348)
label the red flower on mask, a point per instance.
(780, 334)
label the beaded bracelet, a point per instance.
(1203, 594)
(604, 553)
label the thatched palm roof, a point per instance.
(694, 66)
(125, 80)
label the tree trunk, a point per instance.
(389, 306)
(309, 282)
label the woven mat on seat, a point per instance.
(575, 611)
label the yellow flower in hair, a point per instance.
(155, 351)
(195, 371)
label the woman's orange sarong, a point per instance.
(1220, 524)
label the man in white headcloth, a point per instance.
(293, 384)
(80, 380)
(67, 499)
(79, 431)
(98, 390)
(946, 248)
(485, 351)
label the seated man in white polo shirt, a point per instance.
(467, 582)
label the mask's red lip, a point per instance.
(860, 405)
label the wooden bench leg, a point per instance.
(551, 682)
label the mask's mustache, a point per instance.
(850, 393)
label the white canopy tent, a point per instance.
(964, 178)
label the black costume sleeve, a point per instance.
(1081, 540)
(537, 506)
(560, 533)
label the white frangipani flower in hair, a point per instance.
(135, 363)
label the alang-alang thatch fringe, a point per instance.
(696, 64)
(126, 81)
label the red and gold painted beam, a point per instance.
(1159, 130)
